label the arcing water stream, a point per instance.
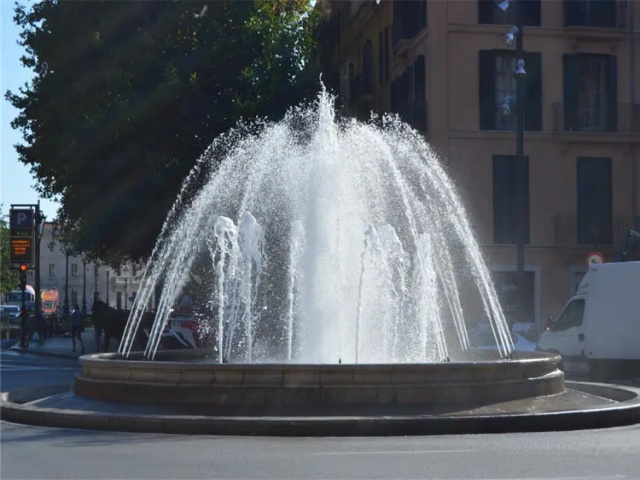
(321, 241)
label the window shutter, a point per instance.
(571, 67)
(533, 92)
(612, 94)
(594, 201)
(487, 89)
(531, 16)
(507, 181)
(485, 11)
(380, 59)
(574, 12)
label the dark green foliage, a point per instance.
(128, 94)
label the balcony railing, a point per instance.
(625, 118)
(566, 231)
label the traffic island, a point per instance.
(182, 395)
(601, 406)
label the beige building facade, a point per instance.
(84, 280)
(444, 67)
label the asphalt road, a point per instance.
(35, 452)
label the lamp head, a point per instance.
(520, 71)
(510, 37)
(504, 5)
(506, 106)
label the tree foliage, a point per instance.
(128, 94)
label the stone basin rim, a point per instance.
(114, 360)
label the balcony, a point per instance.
(593, 124)
(565, 228)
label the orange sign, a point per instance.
(22, 250)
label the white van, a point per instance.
(598, 330)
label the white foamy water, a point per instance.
(321, 241)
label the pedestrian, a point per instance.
(42, 327)
(76, 327)
(97, 333)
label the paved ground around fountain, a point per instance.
(570, 400)
(575, 409)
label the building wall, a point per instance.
(124, 282)
(451, 44)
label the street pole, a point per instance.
(520, 167)
(96, 294)
(84, 287)
(65, 310)
(108, 287)
(38, 299)
(23, 322)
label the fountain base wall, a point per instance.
(243, 389)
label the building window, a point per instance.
(409, 18)
(383, 55)
(408, 95)
(367, 68)
(489, 13)
(74, 269)
(498, 87)
(595, 222)
(74, 298)
(505, 199)
(119, 300)
(505, 91)
(380, 58)
(52, 270)
(386, 54)
(590, 13)
(590, 92)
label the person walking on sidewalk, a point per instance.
(76, 327)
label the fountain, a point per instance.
(328, 255)
(323, 241)
(336, 269)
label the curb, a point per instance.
(624, 413)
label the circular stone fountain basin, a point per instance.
(184, 379)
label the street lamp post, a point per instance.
(108, 270)
(65, 309)
(39, 230)
(521, 165)
(84, 286)
(516, 33)
(96, 294)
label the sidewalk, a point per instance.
(63, 347)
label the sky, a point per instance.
(16, 181)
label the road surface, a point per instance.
(35, 452)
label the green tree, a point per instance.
(127, 95)
(8, 276)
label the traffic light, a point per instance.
(23, 276)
